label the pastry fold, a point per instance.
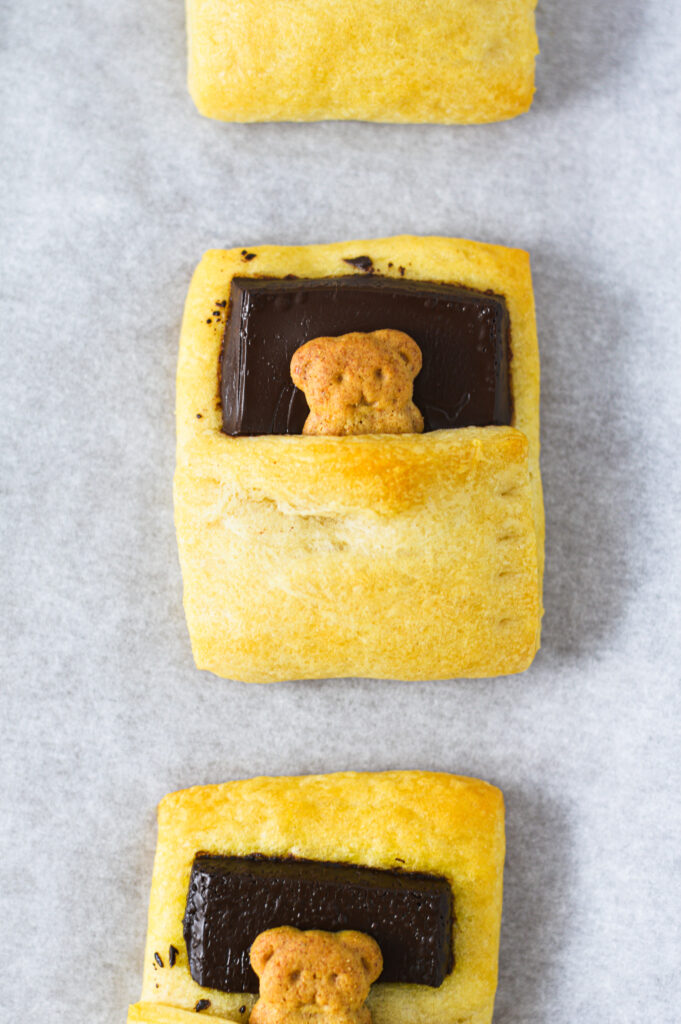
(441, 61)
(414, 556)
(429, 822)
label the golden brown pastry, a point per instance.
(442, 826)
(411, 556)
(442, 61)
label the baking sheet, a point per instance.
(113, 186)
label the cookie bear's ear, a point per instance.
(266, 944)
(368, 950)
(300, 361)
(406, 348)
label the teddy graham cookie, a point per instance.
(359, 383)
(441, 61)
(357, 490)
(345, 898)
(325, 976)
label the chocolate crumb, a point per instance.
(172, 952)
(249, 255)
(221, 304)
(364, 263)
(202, 1004)
(199, 417)
(291, 277)
(390, 264)
(209, 321)
(242, 1009)
(401, 271)
(158, 960)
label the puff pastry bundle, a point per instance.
(411, 556)
(442, 61)
(416, 828)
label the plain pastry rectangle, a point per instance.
(412, 556)
(430, 822)
(442, 61)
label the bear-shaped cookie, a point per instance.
(359, 383)
(314, 976)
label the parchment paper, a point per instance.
(113, 186)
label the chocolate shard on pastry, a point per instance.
(441, 61)
(392, 553)
(417, 857)
(232, 899)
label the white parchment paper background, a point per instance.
(112, 188)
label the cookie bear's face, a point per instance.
(330, 971)
(359, 383)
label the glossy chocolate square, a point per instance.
(231, 900)
(463, 335)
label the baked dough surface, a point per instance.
(412, 556)
(421, 821)
(442, 61)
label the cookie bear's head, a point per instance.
(324, 972)
(359, 383)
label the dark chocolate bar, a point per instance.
(231, 900)
(463, 336)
